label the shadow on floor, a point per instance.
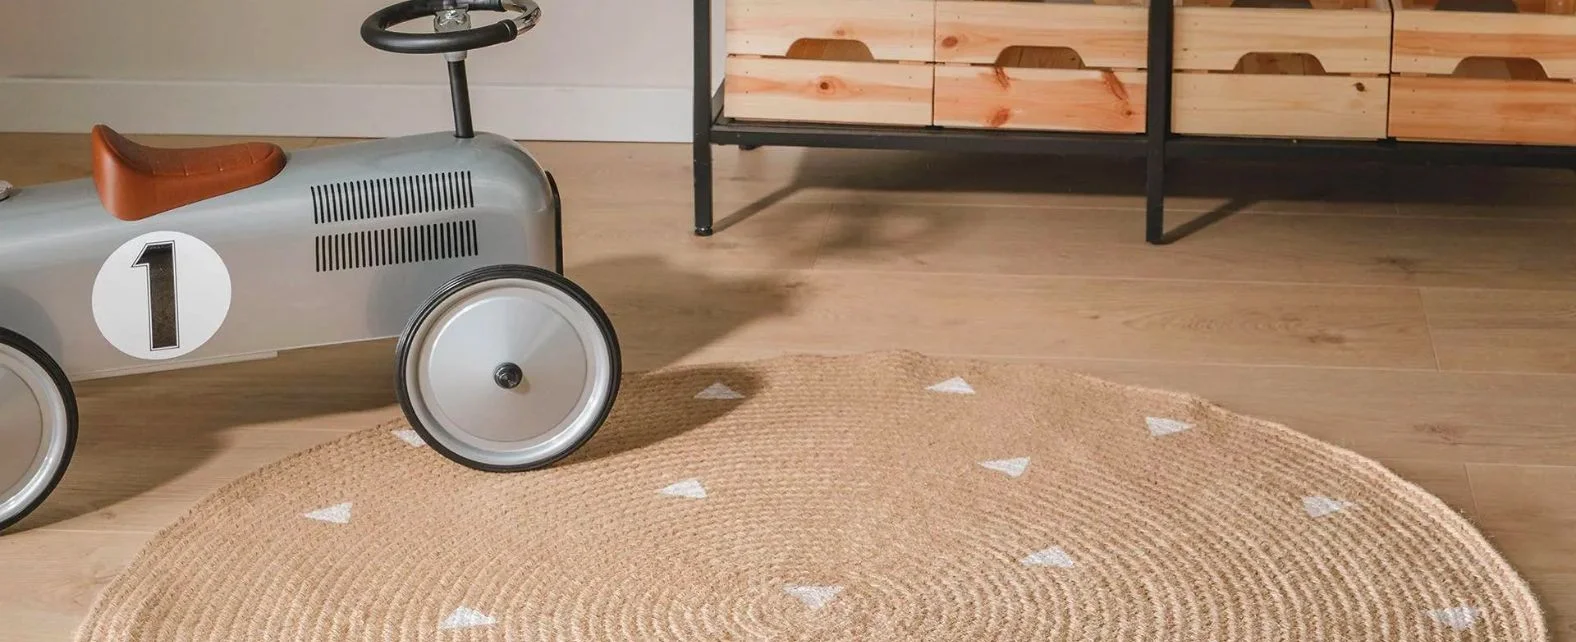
(1199, 192)
(662, 405)
(664, 313)
(140, 432)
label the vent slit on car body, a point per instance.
(386, 195)
(370, 199)
(397, 245)
(401, 194)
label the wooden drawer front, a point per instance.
(892, 29)
(1483, 110)
(1346, 41)
(829, 91)
(977, 31)
(1040, 99)
(1280, 106)
(1435, 42)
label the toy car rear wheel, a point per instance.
(38, 426)
(508, 368)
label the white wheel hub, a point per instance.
(509, 372)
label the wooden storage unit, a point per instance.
(830, 61)
(1041, 65)
(1282, 69)
(1485, 72)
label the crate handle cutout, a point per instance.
(1107, 3)
(1316, 5)
(1022, 56)
(1500, 68)
(1276, 63)
(1545, 7)
(830, 49)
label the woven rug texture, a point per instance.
(883, 496)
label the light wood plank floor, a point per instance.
(1423, 317)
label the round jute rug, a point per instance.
(883, 496)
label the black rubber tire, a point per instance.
(403, 348)
(42, 358)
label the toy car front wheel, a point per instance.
(508, 368)
(38, 426)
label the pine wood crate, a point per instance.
(830, 61)
(1485, 72)
(1292, 69)
(1041, 65)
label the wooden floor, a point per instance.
(1423, 318)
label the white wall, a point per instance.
(592, 70)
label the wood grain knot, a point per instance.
(1115, 86)
(949, 41)
(1000, 118)
(1360, 87)
(1325, 337)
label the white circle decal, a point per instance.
(161, 295)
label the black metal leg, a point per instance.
(1155, 208)
(703, 200)
(1158, 118)
(703, 118)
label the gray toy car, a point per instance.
(174, 258)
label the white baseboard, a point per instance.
(618, 114)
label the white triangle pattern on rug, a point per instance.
(690, 488)
(409, 436)
(1053, 556)
(1459, 618)
(1013, 467)
(718, 391)
(1160, 426)
(955, 385)
(1319, 505)
(465, 617)
(814, 597)
(338, 514)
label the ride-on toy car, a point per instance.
(170, 258)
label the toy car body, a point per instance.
(342, 245)
(172, 258)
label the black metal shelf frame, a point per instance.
(1157, 144)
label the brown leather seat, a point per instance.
(136, 181)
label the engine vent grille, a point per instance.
(392, 196)
(410, 244)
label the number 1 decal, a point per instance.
(164, 325)
(161, 295)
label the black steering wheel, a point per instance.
(447, 13)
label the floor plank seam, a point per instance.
(1428, 329)
(1139, 210)
(1472, 492)
(1103, 277)
(779, 347)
